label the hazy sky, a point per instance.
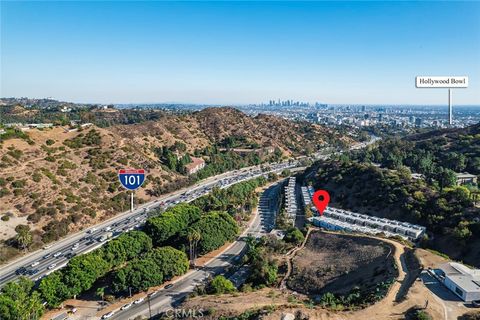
(238, 52)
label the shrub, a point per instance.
(220, 285)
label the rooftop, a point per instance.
(464, 277)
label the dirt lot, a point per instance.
(337, 263)
(285, 301)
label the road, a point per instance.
(168, 298)
(42, 262)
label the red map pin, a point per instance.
(321, 198)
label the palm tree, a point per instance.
(193, 237)
(24, 237)
(100, 292)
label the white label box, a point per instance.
(441, 82)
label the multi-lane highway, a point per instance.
(166, 298)
(40, 263)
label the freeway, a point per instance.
(166, 298)
(40, 263)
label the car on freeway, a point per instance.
(139, 300)
(70, 255)
(53, 265)
(57, 254)
(38, 278)
(21, 270)
(31, 272)
(36, 263)
(48, 255)
(126, 306)
(108, 315)
(168, 286)
(92, 230)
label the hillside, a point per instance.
(450, 216)
(455, 149)
(58, 181)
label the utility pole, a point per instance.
(131, 202)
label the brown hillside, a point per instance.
(64, 181)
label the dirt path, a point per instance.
(417, 295)
(290, 255)
(22, 166)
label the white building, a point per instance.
(461, 280)
(290, 199)
(339, 219)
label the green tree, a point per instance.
(221, 285)
(421, 315)
(462, 231)
(24, 237)
(294, 235)
(82, 271)
(100, 292)
(193, 236)
(53, 289)
(168, 224)
(445, 177)
(216, 228)
(18, 301)
(170, 261)
(126, 247)
(138, 275)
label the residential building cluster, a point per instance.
(338, 219)
(291, 199)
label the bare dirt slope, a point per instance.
(365, 262)
(282, 302)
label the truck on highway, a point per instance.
(105, 236)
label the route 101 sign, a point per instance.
(131, 179)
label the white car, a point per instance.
(36, 263)
(75, 247)
(108, 315)
(153, 293)
(53, 265)
(125, 307)
(92, 230)
(139, 300)
(58, 254)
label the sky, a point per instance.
(238, 52)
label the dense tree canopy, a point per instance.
(166, 225)
(138, 275)
(126, 247)
(18, 301)
(216, 228)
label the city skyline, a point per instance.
(239, 53)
